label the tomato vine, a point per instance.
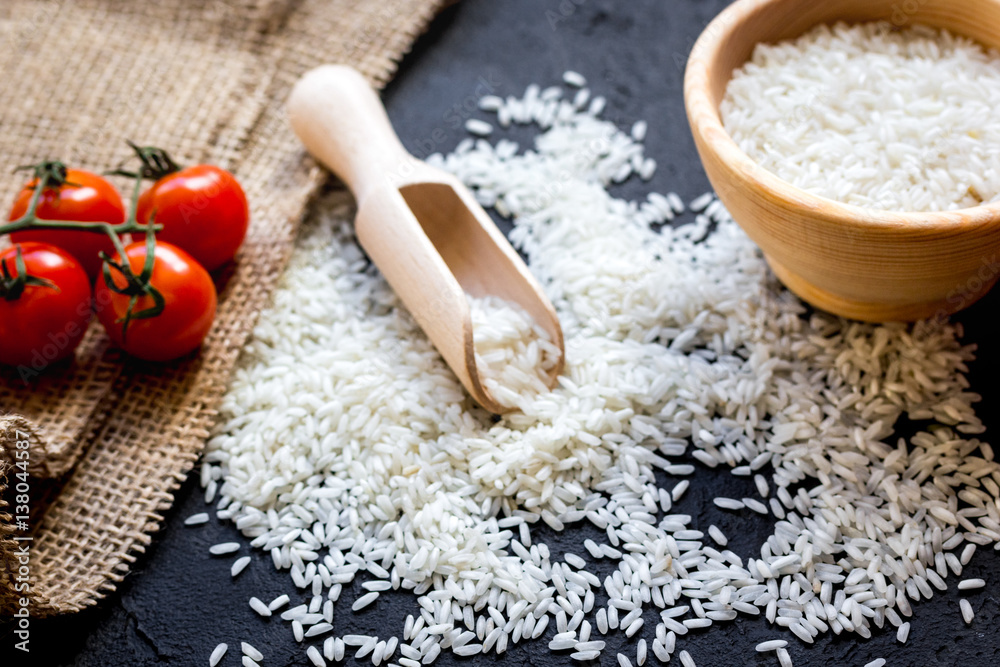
(52, 174)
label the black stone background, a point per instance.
(179, 602)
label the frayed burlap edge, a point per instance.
(8, 557)
(14, 428)
(41, 463)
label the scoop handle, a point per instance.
(342, 123)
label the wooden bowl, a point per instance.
(859, 263)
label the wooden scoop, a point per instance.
(422, 227)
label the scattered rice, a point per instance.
(364, 601)
(967, 613)
(702, 202)
(562, 644)
(575, 79)
(224, 548)
(756, 506)
(772, 645)
(278, 602)
(250, 651)
(584, 656)
(490, 103)
(728, 503)
(347, 448)
(970, 584)
(239, 565)
(634, 627)
(314, 656)
(217, 654)
(196, 519)
(478, 127)
(318, 629)
(717, 536)
(676, 203)
(967, 554)
(639, 130)
(259, 607)
(596, 109)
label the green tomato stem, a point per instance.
(31, 221)
(137, 286)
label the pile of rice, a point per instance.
(905, 120)
(346, 447)
(514, 355)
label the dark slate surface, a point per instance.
(179, 602)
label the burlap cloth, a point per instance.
(111, 439)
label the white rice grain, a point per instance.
(772, 645)
(717, 535)
(239, 565)
(224, 548)
(314, 656)
(728, 504)
(364, 601)
(250, 651)
(259, 607)
(478, 127)
(217, 654)
(967, 613)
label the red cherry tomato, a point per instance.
(85, 197)
(203, 210)
(188, 312)
(45, 323)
